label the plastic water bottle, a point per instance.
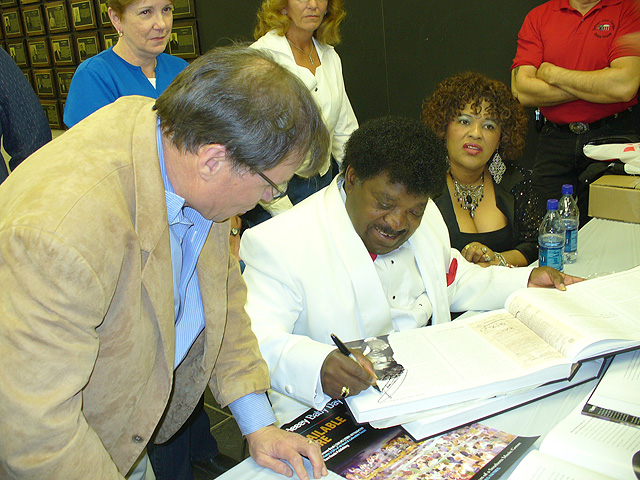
(551, 238)
(568, 211)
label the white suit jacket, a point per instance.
(309, 275)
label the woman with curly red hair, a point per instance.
(487, 204)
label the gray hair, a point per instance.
(241, 98)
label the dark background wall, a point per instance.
(394, 52)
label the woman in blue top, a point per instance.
(135, 65)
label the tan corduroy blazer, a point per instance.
(86, 306)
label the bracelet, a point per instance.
(503, 262)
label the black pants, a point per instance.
(560, 160)
(172, 459)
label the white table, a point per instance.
(250, 470)
(604, 246)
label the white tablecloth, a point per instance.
(606, 246)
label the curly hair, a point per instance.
(455, 93)
(406, 150)
(270, 17)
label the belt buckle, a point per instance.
(578, 127)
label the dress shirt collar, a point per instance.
(175, 203)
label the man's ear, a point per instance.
(349, 179)
(212, 158)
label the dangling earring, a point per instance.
(497, 167)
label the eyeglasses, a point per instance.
(279, 191)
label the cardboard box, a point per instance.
(615, 197)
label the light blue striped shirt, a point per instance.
(188, 232)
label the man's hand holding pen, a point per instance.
(342, 376)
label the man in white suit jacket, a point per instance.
(366, 256)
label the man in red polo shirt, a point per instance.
(579, 62)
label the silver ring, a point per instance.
(344, 392)
(484, 249)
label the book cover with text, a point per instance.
(360, 452)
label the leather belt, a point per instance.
(581, 127)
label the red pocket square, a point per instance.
(451, 274)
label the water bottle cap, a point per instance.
(552, 204)
(567, 189)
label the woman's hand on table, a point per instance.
(476, 252)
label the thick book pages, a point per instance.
(473, 358)
(583, 447)
(434, 422)
(360, 452)
(617, 396)
(591, 319)
(538, 339)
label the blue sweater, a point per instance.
(102, 79)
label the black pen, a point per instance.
(345, 351)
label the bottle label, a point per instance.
(551, 257)
(571, 244)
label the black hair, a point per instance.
(410, 153)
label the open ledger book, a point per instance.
(540, 336)
(584, 448)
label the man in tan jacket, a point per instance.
(120, 301)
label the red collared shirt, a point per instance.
(555, 32)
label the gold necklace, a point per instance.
(295, 46)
